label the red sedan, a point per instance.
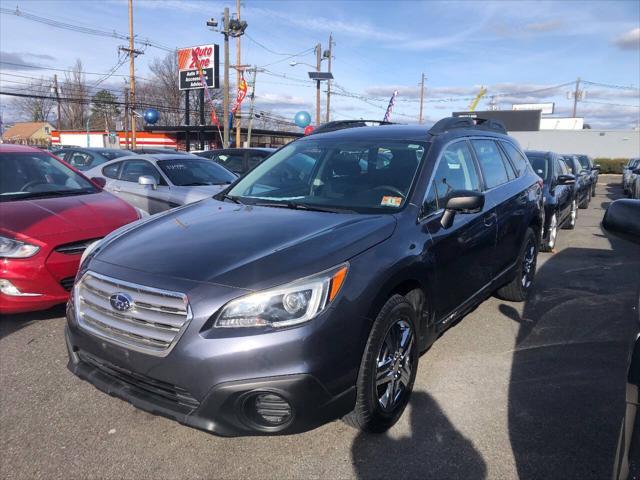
(49, 213)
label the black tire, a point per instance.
(585, 202)
(570, 223)
(369, 414)
(518, 289)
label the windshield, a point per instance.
(192, 172)
(363, 176)
(584, 161)
(540, 165)
(112, 154)
(27, 175)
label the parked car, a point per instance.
(587, 163)
(49, 213)
(634, 183)
(560, 204)
(307, 290)
(632, 164)
(238, 160)
(86, 158)
(155, 183)
(622, 219)
(583, 186)
(158, 150)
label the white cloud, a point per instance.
(629, 40)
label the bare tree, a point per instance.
(34, 109)
(75, 98)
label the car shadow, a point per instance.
(433, 449)
(567, 384)
(12, 323)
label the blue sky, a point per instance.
(510, 47)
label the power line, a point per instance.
(80, 29)
(609, 85)
(38, 67)
(611, 104)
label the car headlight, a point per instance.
(11, 248)
(291, 304)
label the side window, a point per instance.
(563, 169)
(517, 158)
(491, 162)
(132, 169)
(111, 171)
(456, 171)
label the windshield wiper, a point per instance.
(303, 206)
(226, 196)
(52, 193)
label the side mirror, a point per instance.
(148, 180)
(566, 179)
(99, 181)
(596, 167)
(461, 201)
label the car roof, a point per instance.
(13, 147)
(539, 153)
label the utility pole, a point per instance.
(328, 114)
(253, 96)
(421, 98)
(225, 114)
(55, 83)
(318, 68)
(576, 94)
(132, 52)
(238, 76)
(126, 118)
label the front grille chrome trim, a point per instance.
(154, 325)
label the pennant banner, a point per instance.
(242, 92)
(387, 115)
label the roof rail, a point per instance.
(451, 123)
(341, 124)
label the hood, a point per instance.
(41, 217)
(244, 246)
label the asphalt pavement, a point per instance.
(531, 391)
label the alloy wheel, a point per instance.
(574, 212)
(553, 231)
(393, 364)
(528, 264)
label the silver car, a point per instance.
(155, 183)
(626, 174)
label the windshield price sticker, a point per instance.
(176, 166)
(391, 201)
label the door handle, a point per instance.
(490, 219)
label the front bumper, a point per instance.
(207, 376)
(48, 277)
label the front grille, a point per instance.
(67, 283)
(152, 324)
(162, 389)
(75, 248)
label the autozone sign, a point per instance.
(189, 77)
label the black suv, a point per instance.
(306, 291)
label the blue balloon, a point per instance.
(151, 115)
(302, 119)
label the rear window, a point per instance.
(113, 154)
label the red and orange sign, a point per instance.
(189, 76)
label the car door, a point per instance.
(143, 196)
(462, 252)
(508, 200)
